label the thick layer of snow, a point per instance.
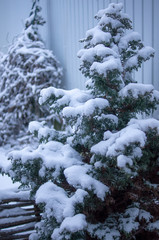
(98, 36)
(14, 192)
(111, 9)
(115, 144)
(136, 89)
(99, 50)
(57, 203)
(126, 39)
(70, 224)
(54, 155)
(133, 133)
(77, 177)
(109, 65)
(74, 97)
(87, 108)
(144, 53)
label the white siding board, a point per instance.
(147, 38)
(156, 44)
(137, 20)
(70, 20)
(67, 22)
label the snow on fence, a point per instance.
(18, 215)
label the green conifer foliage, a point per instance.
(27, 68)
(98, 178)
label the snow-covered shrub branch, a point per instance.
(97, 178)
(27, 68)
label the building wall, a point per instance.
(67, 22)
(70, 19)
(12, 16)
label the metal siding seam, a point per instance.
(153, 40)
(49, 23)
(133, 14)
(98, 4)
(124, 5)
(70, 37)
(143, 37)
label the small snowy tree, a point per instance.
(98, 178)
(27, 68)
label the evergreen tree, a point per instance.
(27, 68)
(98, 178)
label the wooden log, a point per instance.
(20, 236)
(7, 233)
(9, 206)
(17, 223)
(16, 200)
(27, 213)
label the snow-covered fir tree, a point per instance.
(28, 67)
(98, 178)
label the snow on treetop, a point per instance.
(110, 50)
(111, 9)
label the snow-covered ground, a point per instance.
(5, 181)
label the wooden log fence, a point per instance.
(18, 218)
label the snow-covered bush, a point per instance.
(98, 178)
(28, 67)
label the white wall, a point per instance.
(69, 20)
(12, 16)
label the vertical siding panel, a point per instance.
(138, 28)
(156, 43)
(82, 20)
(153, 22)
(129, 9)
(114, 1)
(49, 20)
(101, 4)
(121, 1)
(106, 3)
(79, 31)
(72, 80)
(156, 47)
(70, 19)
(147, 38)
(64, 33)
